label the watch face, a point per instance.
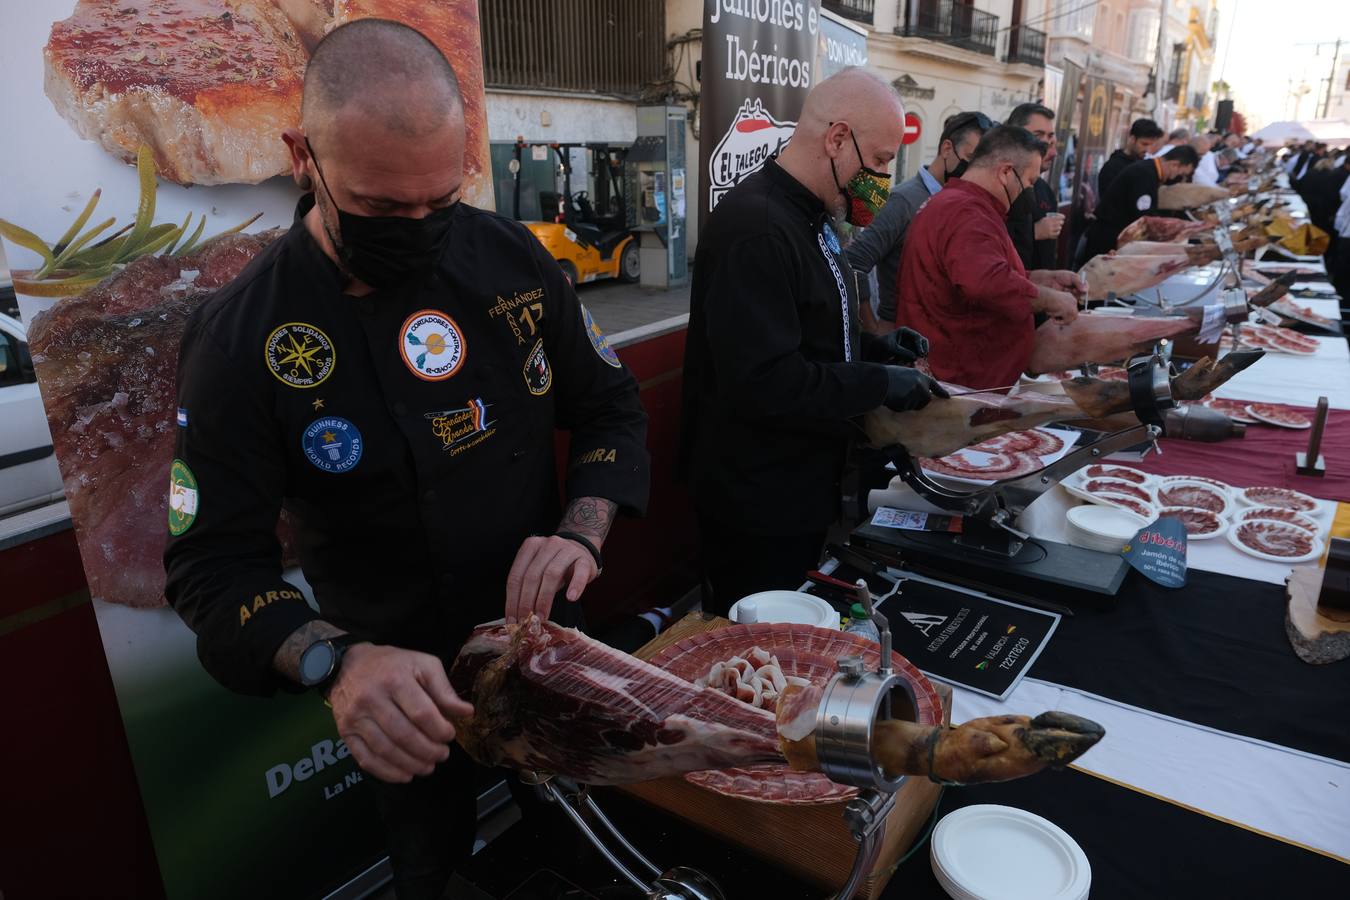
(316, 662)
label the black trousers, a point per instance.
(736, 563)
(431, 822)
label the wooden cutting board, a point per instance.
(810, 841)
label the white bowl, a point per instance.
(793, 607)
(989, 852)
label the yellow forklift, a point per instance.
(589, 237)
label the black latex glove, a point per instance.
(910, 389)
(902, 346)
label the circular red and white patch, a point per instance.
(432, 345)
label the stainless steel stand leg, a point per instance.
(866, 818)
(557, 797)
(623, 841)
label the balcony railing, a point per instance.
(952, 22)
(1026, 45)
(857, 10)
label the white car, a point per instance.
(28, 473)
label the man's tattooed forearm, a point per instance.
(589, 516)
(287, 658)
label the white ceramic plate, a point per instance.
(1075, 486)
(1252, 410)
(1242, 496)
(1273, 513)
(1312, 554)
(1001, 853)
(1227, 488)
(794, 607)
(1163, 511)
(1222, 493)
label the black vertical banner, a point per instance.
(758, 64)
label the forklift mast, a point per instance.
(608, 161)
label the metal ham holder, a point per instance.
(854, 700)
(989, 512)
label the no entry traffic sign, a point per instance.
(912, 128)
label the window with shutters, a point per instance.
(613, 47)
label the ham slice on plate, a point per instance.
(1097, 486)
(1133, 504)
(1193, 494)
(1280, 514)
(1222, 486)
(1200, 523)
(1274, 414)
(992, 467)
(1275, 541)
(1233, 409)
(1117, 473)
(1283, 498)
(1033, 441)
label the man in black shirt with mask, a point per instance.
(775, 366)
(1034, 222)
(391, 372)
(1144, 136)
(1134, 193)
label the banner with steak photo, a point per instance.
(759, 62)
(142, 167)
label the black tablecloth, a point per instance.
(1138, 847)
(1214, 653)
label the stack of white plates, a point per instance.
(990, 852)
(1104, 528)
(795, 607)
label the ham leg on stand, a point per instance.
(1101, 339)
(1127, 274)
(550, 699)
(945, 426)
(1159, 228)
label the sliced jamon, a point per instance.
(1198, 522)
(1279, 514)
(1214, 482)
(802, 651)
(1033, 441)
(989, 467)
(1118, 473)
(1284, 498)
(1278, 539)
(1275, 414)
(1233, 409)
(1198, 496)
(1138, 507)
(541, 692)
(1115, 486)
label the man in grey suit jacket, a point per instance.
(881, 243)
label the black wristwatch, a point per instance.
(321, 660)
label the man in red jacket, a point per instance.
(961, 280)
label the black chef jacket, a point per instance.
(771, 368)
(1132, 194)
(1034, 204)
(1114, 165)
(410, 431)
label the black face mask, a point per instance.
(958, 170)
(1013, 198)
(387, 251)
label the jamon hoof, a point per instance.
(996, 748)
(1273, 291)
